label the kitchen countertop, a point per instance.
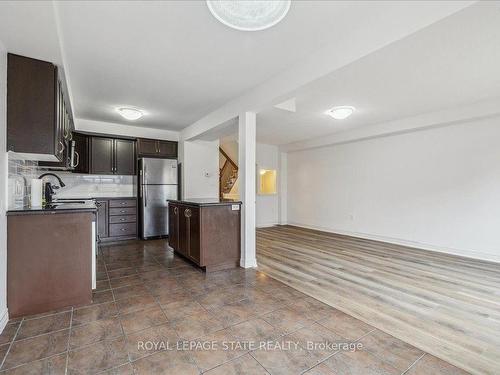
(206, 201)
(88, 206)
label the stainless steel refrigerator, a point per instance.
(157, 183)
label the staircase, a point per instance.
(228, 174)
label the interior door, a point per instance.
(101, 155)
(155, 209)
(124, 157)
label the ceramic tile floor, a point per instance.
(154, 313)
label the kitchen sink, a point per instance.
(62, 203)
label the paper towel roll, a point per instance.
(36, 192)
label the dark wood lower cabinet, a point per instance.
(173, 226)
(102, 219)
(117, 219)
(49, 261)
(208, 235)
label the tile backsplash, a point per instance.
(77, 185)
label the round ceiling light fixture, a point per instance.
(249, 15)
(130, 113)
(341, 113)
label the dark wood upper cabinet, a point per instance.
(101, 155)
(167, 149)
(124, 157)
(112, 156)
(81, 153)
(156, 148)
(38, 117)
(147, 147)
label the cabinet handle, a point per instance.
(176, 210)
(122, 219)
(77, 159)
(123, 229)
(122, 211)
(122, 203)
(187, 212)
(62, 148)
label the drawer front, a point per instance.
(122, 219)
(122, 203)
(126, 229)
(122, 211)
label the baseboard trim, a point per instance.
(398, 241)
(248, 263)
(265, 225)
(4, 319)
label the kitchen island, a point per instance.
(206, 231)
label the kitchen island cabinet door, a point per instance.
(173, 226)
(189, 232)
(193, 226)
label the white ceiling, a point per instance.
(173, 59)
(451, 63)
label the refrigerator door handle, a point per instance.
(145, 187)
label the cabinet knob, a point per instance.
(176, 210)
(187, 213)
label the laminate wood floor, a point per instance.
(445, 305)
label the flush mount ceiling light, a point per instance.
(130, 113)
(341, 113)
(249, 15)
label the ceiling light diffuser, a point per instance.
(341, 113)
(249, 15)
(130, 113)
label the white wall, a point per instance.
(200, 169)
(125, 130)
(437, 189)
(3, 189)
(267, 206)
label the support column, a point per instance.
(246, 176)
(283, 196)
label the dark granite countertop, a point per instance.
(206, 201)
(88, 206)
